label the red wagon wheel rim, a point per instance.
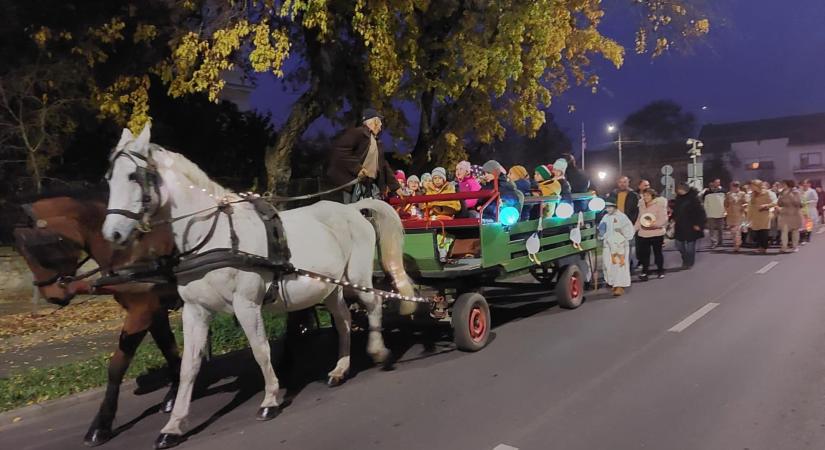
(575, 287)
(478, 324)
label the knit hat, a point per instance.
(464, 165)
(400, 176)
(546, 172)
(493, 167)
(425, 177)
(519, 172)
(440, 172)
(560, 165)
(413, 179)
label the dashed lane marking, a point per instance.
(504, 447)
(691, 319)
(767, 267)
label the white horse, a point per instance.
(328, 238)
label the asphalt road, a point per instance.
(748, 374)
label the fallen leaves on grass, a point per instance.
(73, 316)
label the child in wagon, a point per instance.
(444, 209)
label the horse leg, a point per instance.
(248, 314)
(375, 340)
(134, 329)
(165, 340)
(343, 324)
(195, 329)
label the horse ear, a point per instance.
(125, 137)
(142, 142)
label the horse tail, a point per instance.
(391, 243)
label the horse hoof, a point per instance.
(268, 413)
(168, 440)
(97, 436)
(334, 381)
(382, 357)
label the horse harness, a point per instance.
(190, 262)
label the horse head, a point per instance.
(134, 187)
(52, 249)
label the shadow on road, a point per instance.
(305, 359)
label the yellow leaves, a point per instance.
(450, 138)
(662, 45)
(126, 101)
(145, 33)
(265, 56)
(110, 32)
(42, 36)
(702, 26)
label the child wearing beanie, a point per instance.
(439, 185)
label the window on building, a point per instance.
(759, 165)
(809, 160)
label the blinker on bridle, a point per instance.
(147, 178)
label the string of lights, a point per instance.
(369, 290)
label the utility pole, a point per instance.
(621, 172)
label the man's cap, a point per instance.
(370, 113)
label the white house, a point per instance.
(791, 148)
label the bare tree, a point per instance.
(35, 119)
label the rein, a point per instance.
(63, 280)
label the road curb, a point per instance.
(7, 418)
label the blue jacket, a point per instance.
(509, 193)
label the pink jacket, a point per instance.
(658, 209)
(469, 184)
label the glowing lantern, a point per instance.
(596, 204)
(508, 215)
(564, 211)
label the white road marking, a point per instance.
(767, 267)
(504, 447)
(691, 319)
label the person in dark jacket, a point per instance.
(626, 199)
(357, 153)
(509, 195)
(579, 181)
(689, 217)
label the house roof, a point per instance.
(800, 130)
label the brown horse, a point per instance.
(64, 226)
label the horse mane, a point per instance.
(189, 170)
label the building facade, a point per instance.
(784, 148)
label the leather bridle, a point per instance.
(148, 179)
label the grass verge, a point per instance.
(40, 384)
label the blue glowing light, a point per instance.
(508, 215)
(596, 204)
(564, 211)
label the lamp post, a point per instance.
(610, 129)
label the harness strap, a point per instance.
(68, 278)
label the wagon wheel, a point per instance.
(570, 288)
(471, 322)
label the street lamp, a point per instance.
(602, 175)
(613, 128)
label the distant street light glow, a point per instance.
(611, 128)
(602, 175)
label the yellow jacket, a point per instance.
(448, 188)
(549, 188)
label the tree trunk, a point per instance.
(278, 158)
(35, 172)
(424, 143)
